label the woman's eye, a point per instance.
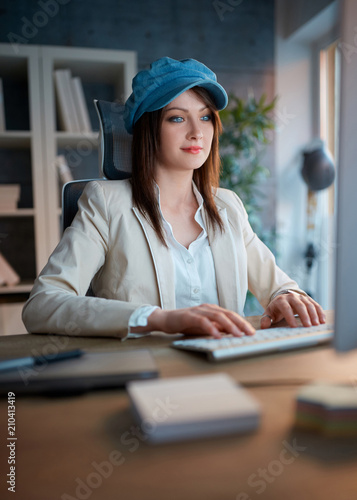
(206, 118)
(176, 119)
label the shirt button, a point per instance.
(196, 290)
(189, 261)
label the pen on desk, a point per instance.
(29, 361)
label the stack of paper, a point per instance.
(71, 104)
(192, 407)
(9, 197)
(327, 409)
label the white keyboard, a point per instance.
(263, 341)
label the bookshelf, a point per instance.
(22, 230)
(105, 74)
(32, 140)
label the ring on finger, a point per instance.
(267, 316)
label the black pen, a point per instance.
(29, 361)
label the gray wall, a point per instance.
(233, 37)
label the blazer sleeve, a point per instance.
(265, 278)
(58, 301)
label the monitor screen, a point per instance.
(346, 237)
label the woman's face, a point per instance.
(186, 133)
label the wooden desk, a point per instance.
(62, 442)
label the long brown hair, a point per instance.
(145, 147)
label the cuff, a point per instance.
(140, 318)
(286, 290)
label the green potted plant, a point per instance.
(247, 126)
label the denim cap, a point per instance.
(166, 79)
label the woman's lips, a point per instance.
(193, 150)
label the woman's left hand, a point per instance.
(286, 305)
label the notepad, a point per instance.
(329, 409)
(93, 370)
(192, 407)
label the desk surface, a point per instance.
(64, 445)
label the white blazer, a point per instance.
(111, 245)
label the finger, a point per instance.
(305, 310)
(225, 323)
(266, 321)
(211, 328)
(243, 325)
(270, 316)
(196, 324)
(312, 312)
(320, 312)
(284, 309)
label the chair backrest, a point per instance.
(114, 156)
(71, 193)
(115, 142)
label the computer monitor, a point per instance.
(346, 237)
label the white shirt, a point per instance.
(195, 278)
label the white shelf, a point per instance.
(20, 288)
(15, 139)
(18, 212)
(70, 139)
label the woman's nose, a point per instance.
(195, 131)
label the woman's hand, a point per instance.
(205, 319)
(286, 305)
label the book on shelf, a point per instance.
(9, 196)
(71, 103)
(63, 170)
(8, 276)
(2, 108)
(65, 101)
(81, 105)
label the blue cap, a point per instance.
(166, 79)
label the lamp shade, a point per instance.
(318, 169)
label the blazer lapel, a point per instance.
(163, 264)
(226, 264)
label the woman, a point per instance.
(166, 250)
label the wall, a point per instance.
(234, 37)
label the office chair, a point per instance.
(114, 156)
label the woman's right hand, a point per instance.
(205, 319)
